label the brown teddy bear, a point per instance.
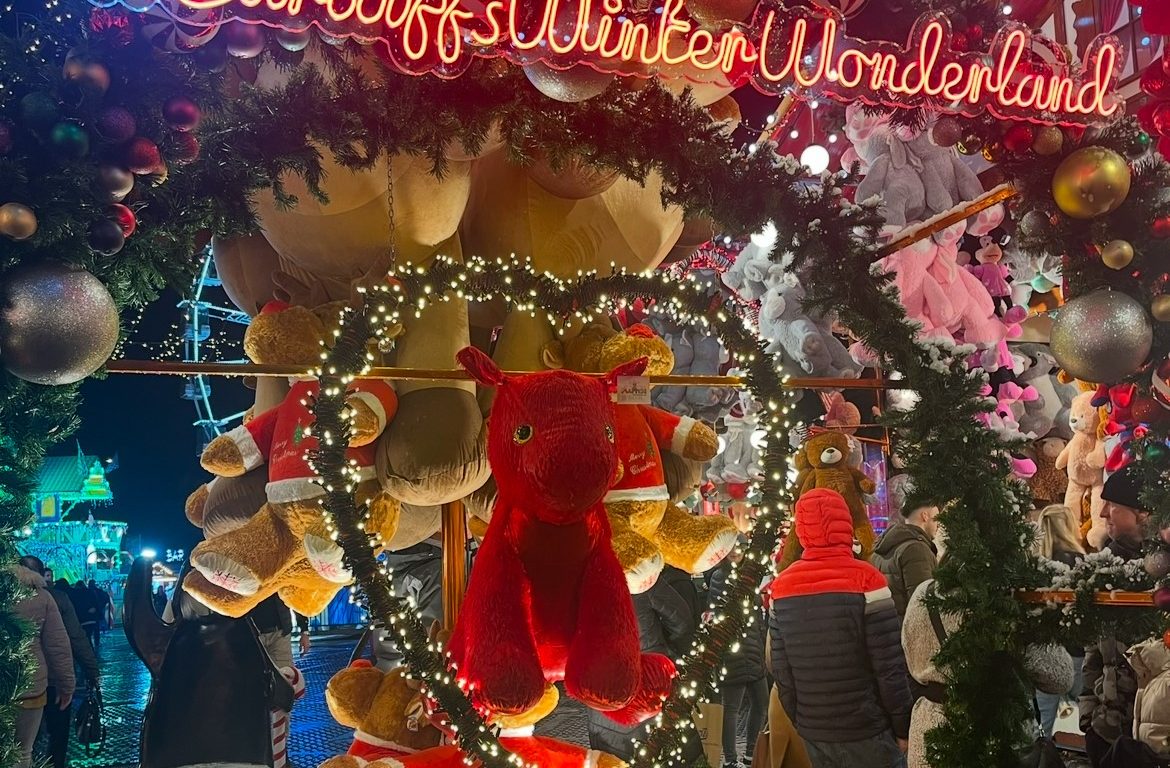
(388, 713)
(285, 547)
(823, 462)
(648, 529)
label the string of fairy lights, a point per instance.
(413, 288)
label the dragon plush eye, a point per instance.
(522, 434)
(609, 433)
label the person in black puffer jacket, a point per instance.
(667, 620)
(746, 680)
(836, 646)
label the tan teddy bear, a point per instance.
(823, 462)
(648, 529)
(1083, 460)
(286, 547)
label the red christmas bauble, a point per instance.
(1160, 228)
(181, 113)
(244, 41)
(186, 148)
(1019, 138)
(959, 42)
(975, 32)
(1155, 81)
(1161, 118)
(1145, 117)
(124, 217)
(142, 156)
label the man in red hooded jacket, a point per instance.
(836, 645)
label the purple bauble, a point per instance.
(1162, 598)
(116, 124)
(6, 138)
(181, 113)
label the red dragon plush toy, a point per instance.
(548, 599)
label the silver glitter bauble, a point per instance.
(572, 85)
(1101, 337)
(58, 323)
(1157, 564)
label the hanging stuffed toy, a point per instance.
(648, 530)
(1083, 460)
(286, 547)
(823, 462)
(547, 600)
(1120, 425)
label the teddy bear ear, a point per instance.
(481, 367)
(630, 368)
(350, 693)
(552, 355)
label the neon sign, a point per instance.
(1020, 77)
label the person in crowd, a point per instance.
(1057, 539)
(274, 622)
(51, 658)
(1110, 685)
(746, 683)
(905, 553)
(417, 573)
(105, 605)
(159, 600)
(1045, 667)
(667, 624)
(56, 719)
(835, 645)
(87, 613)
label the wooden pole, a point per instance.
(162, 368)
(454, 562)
(1125, 599)
(997, 195)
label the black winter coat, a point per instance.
(747, 664)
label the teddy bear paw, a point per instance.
(718, 549)
(222, 457)
(643, 574)
(194, 506)
(224, 572)
(701, 444)
(365, 426)
(327, 559)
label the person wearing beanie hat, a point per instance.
(836, 645)
(1125, 519)
(1110, 685)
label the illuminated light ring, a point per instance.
(924, 73)
(411, 289)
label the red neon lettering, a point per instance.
(773, 48)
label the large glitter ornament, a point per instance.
(17, 221)
(1091, 182)
(571, 85)
(58, 323)
(116, 125)
(1101, 337)
(1049, 140)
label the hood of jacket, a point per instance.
(27, 577)
(823, 524)
(897, 535)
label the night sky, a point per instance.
(145, 421)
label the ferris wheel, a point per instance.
(205, 310)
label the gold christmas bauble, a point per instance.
(17, 221)
(720, 13)
(1117, 254)
(1048, 141)
(1091, 182)
(1160, 308)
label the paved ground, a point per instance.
(315, 736)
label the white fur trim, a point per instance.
(299, 488)
(365, 738)
(327, 559)
(224, 572)
(249, 451)
(653, 493)
(518, 733)
(374, 405)
(678, 441)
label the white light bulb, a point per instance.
(815, 158)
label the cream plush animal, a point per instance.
(1083, 460)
